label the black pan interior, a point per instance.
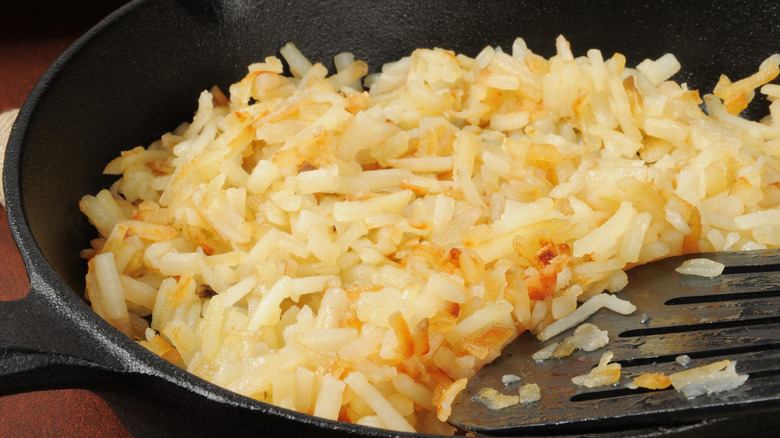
(138, 75)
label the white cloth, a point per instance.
(6, 123)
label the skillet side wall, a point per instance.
(139, 76)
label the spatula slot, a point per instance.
(764, 374)
(704, 354)
(739, 296)
(655, 331)
(613, 393)
(750, 269)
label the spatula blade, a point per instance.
(734, 316)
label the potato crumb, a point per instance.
(495, 400)
(708, 379)
(586, 337)
(510, 379)
(683, 360)
(652, 381)
(546, 352)
(530, 393)
(602, 375)
(701, 267)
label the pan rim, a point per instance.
(38, 266)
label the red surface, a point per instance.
(33, 33)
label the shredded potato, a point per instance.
(358, 254)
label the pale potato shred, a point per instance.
(359, 254)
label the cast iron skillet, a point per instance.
(138, 74)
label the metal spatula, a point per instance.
(733, 316)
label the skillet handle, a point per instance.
(43, 343)
(42, 347)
